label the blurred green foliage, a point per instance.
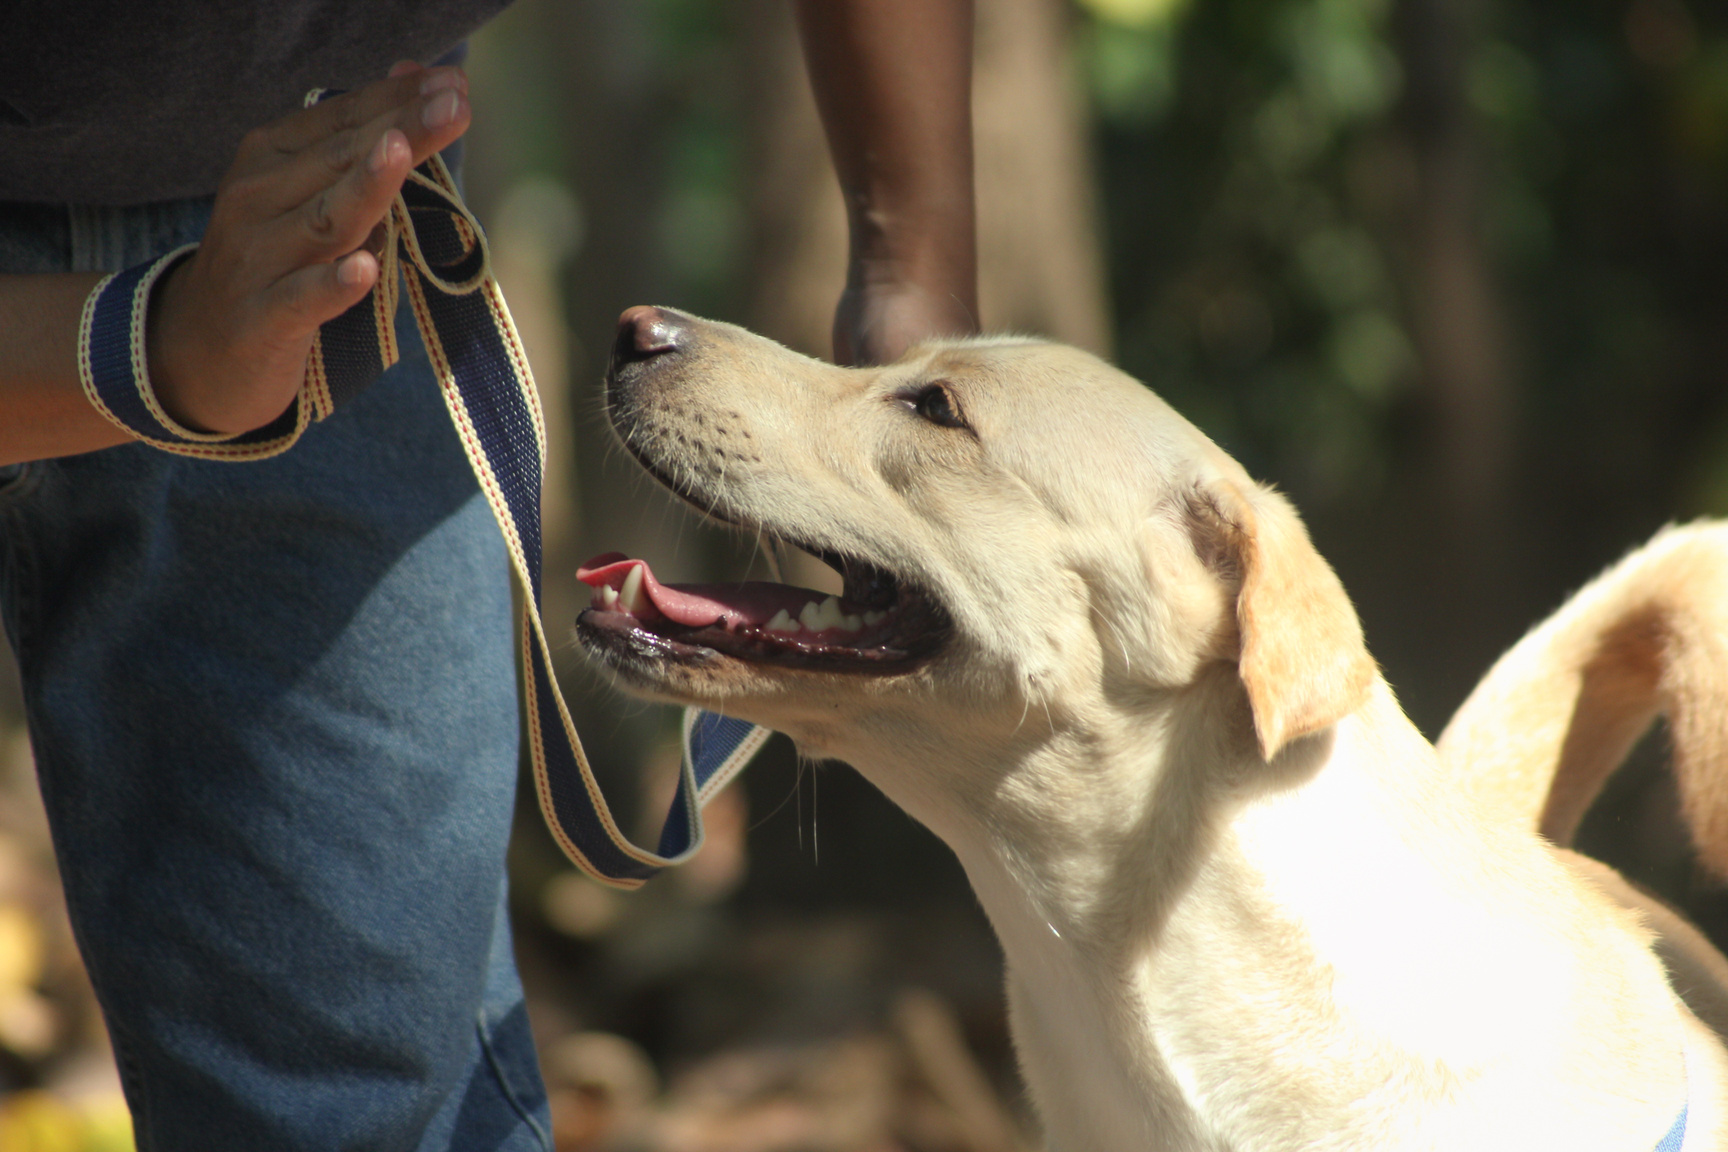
(702, 225)
(668, 70)
(1251, 285)
(1259, 184)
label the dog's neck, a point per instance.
(1187, 926)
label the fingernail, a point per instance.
(441, 111)
(387, 143)
(403, 68)
(352, 270)
(441, 78)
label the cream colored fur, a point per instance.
(1243, 903)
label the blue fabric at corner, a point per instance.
(1676, 1135)
(273, 707)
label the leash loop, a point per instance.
(425, 215)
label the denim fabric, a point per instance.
(274, 714)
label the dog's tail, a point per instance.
(1555, 716)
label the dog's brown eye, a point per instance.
(934, 404)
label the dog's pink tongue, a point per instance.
(694, 605)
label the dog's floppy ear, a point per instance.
(1302, 658)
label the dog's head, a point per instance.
(1019, 526)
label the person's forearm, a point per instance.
(893, 84)
(43, 411)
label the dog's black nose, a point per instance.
(645, 332)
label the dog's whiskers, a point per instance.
(1121, 645)
(775, 811)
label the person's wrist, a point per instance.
(936, 256)
(185, 383)
(165, 355)
(912, 228)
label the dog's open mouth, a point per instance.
(877, 623)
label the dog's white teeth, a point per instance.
(783, 622)
(811, 616)
(630, 596)
(826, 615)
(608, 597)
(874, 618)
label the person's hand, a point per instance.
(287, 247)
(880, 317)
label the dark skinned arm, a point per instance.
(893, 81)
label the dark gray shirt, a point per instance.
(131, 101)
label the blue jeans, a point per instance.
(274, 715)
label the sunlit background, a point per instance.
(1451, 273)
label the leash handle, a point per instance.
(113, 367)
(436, 249)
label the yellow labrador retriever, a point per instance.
(1244, 904)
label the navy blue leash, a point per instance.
(436, 248)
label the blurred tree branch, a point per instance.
(1456, 306)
